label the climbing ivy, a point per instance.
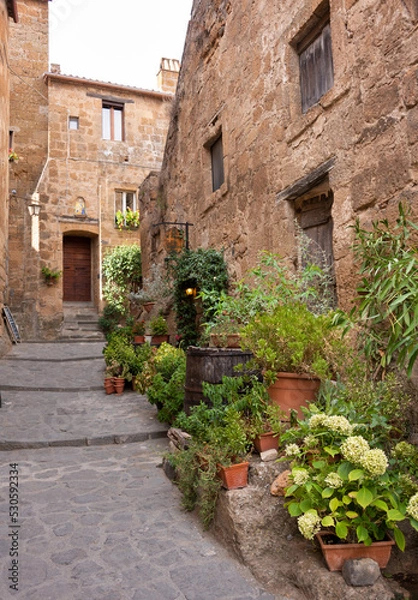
(122, 270)
(198, 269)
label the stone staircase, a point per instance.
(81, 322)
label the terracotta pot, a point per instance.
(119, 385)
(235, 476)
(139, 339)
(109, 385)
(336, 554)
(293, 390)
(156, 340)
(266, 441)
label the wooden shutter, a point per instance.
(316, 69)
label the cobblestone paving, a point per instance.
(101, 521)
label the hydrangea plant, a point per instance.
(342, 484)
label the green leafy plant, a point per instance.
(386, 315)
(122, 271)
(138, 327)
(128, 219)
(292, 339)
(167, 387)
(342, 483)
(51, 274)
(158, 326)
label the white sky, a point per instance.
(121, 41)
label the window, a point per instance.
(316, 68)
(126, 210)
(112, 121)
(217, 159)
(73, 123)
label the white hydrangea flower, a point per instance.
(292, 450)
(310, 441)
(374, 461)
(309, 524)
(333, 480)
(339, 424)
(412, 508)
(354, 447)
(300, 476)
(317, 420)
(404, 450)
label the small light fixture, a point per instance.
(191, 292)
(35, 207)
(34, 210)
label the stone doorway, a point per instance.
(77, 269)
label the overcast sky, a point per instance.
(120, 41)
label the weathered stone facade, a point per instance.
(7, 12)
(29, 124)
(85, 147)
(352, 153)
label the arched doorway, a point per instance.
(77, 269)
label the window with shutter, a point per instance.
(315, 65)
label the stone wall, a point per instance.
(6, 11)
(240, 78)
(29, 123)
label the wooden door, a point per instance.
(77, 269)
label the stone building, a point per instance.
(300, 112)
(8, 13)
(85, 147)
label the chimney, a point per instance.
(168, 75)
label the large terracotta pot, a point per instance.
(293, 390)
(336, 554)
(235, 476)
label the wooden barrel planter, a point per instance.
(209, 364)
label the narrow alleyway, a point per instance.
(85, 512)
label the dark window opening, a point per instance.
(217, 158)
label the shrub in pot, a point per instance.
(167, 388)
(295, 341)
(343, 484)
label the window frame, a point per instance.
(73, 120)
(121, 203)
(111, 122)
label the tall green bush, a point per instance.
(122, 272)
(387, 310)
(199, 269)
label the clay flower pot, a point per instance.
(336, 554)
(119, 383)
(291, 391)
(109, 385)
(234, 476)
(266, 441)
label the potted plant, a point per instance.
(50, 275)
(138, 331)
(295, 349)
(159, 330)
(112, 370)
(346, 493)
